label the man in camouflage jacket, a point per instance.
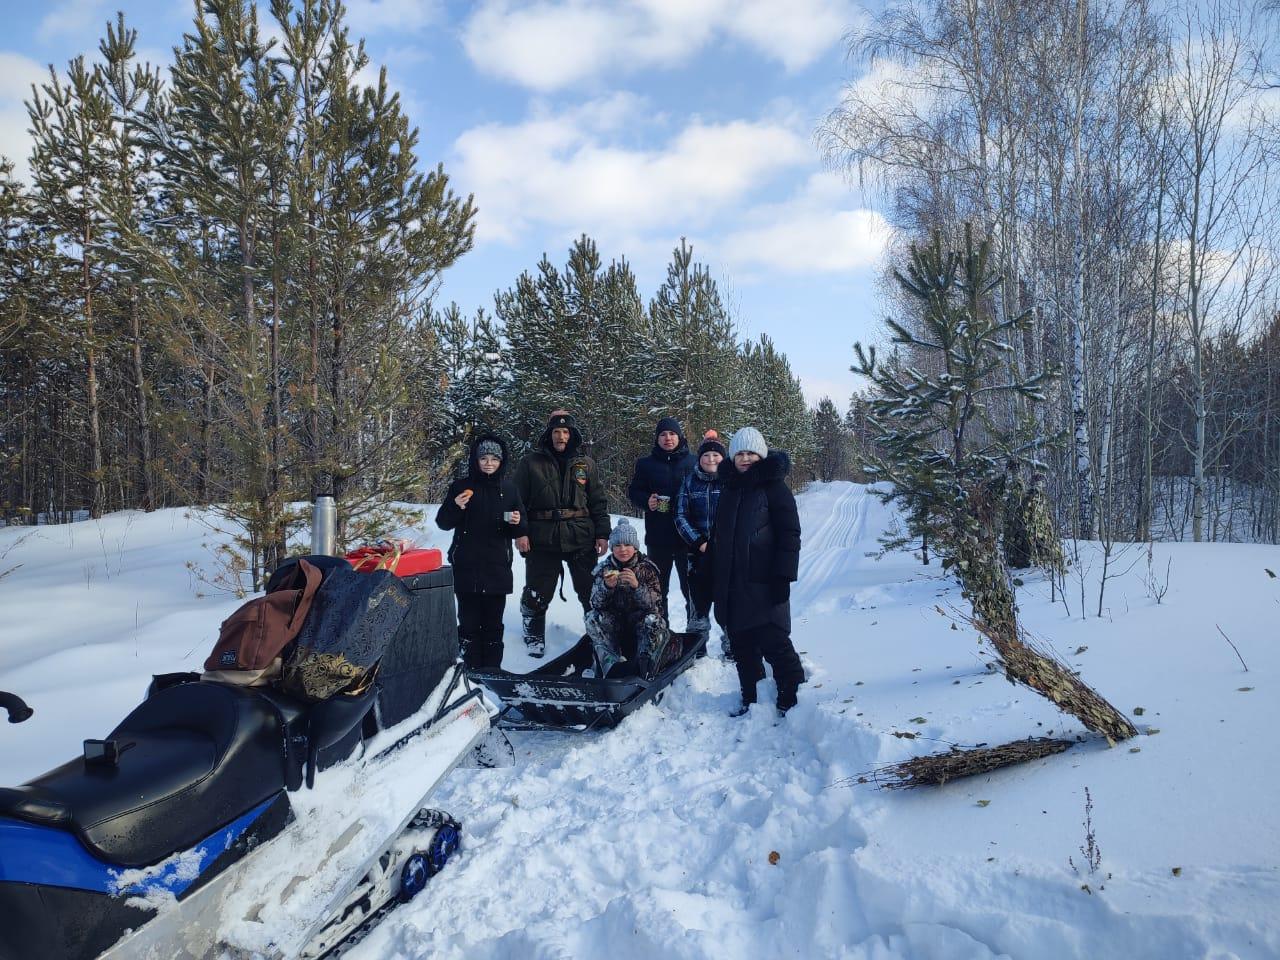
(568, 519)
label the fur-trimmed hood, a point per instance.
(775, 466)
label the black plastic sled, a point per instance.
(557, 696)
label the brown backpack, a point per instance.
(253, 636)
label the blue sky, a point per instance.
(635, 122)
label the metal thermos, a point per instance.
(324, 527)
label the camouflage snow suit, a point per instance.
(626, 623)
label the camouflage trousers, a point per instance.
(642, 640)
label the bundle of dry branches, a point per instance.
(960, 762)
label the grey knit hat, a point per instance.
(748, 439)
(624, 534)
(489, 448)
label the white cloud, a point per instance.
(72, 17)
(377, 16)
(17, 74)
(817, 231)
(552, 44)
(563, 171)
(795, 33)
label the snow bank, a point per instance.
(658, 838)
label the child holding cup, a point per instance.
(485, 514)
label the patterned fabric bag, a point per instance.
(351, 622)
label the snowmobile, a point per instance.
(189, 830)
(558, 696)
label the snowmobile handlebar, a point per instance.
(17, 707)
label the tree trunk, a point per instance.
(277, 548)
(140, 399)
(97, 501)
(1079, 410)
(1146, 504)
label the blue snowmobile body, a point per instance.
(199, 768)
(194, 779)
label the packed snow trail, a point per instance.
(655, 839)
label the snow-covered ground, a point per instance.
(685, 833)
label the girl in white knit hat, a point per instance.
(755, 559)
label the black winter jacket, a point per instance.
(550, 484)
(661, 472)
(755, 545)
(481, 551)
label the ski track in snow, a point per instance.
(655, 839)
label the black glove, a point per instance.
(780, 591)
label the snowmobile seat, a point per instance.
(191, 758)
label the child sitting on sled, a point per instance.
(628, 631)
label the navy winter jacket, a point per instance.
(661, 472)
(696, 507)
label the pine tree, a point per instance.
(771, 400)
(832, 442)
(940, 450)
(476, 386)
(694, 345)
(25, 331)
(130, 89)
(937, 445)
(385, 233)
(71, 127)
(577, 339)
(222, 138)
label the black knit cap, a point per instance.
(669, 423)
(711, 442)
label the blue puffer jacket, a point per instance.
(696, 507)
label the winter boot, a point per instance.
(493, 649)
(786, 699)
(473, 653)
(609, 664)
(700, 628)
(741, 710)
(535, 627)
(652, 643)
